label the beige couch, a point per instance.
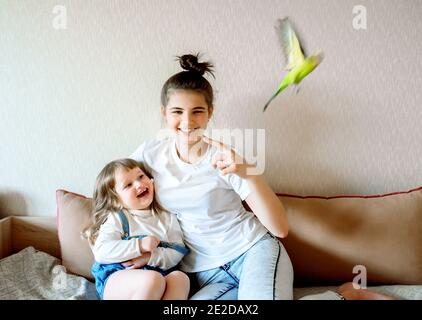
(380, 235)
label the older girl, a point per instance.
(234, 253)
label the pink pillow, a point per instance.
(73, 212)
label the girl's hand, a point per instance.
(227, 160)
(138, 262)
(148, 243)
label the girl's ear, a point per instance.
(163, 111)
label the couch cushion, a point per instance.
(328, 237)
(73, 212)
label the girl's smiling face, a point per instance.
(187, 115)
(134, 188)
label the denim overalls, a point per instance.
(101, 272)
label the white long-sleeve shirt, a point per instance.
(110, 248)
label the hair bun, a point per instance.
(190, 63)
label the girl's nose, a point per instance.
(138, 184)
(186, 118)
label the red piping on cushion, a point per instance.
(348, 196)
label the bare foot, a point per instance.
(350, 293)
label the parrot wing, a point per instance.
(292, 50)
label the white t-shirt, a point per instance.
(110, 248)
(216, 227)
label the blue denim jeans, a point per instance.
(264, 272)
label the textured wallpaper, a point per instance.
(80, 83)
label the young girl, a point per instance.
(129, 231)
(234, 254)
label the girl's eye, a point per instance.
(177, 112)
(198, 111)
(129, 185)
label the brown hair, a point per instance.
(106, 199)
(191, 79)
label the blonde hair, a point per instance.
(106, 199)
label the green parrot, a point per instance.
(298, 65)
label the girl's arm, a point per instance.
(267, 207)
(146, 245)
(262, 200)
(109, 246)
(169, 254)
(138, 262)
(165, 258)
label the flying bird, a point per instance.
(298, 64)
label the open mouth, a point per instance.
(143, 193)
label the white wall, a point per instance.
(73, 99)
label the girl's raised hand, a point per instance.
(227, 160)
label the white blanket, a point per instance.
(36, 275)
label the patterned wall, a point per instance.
(80, 85)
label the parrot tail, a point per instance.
(268, 103)
(281, 88)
